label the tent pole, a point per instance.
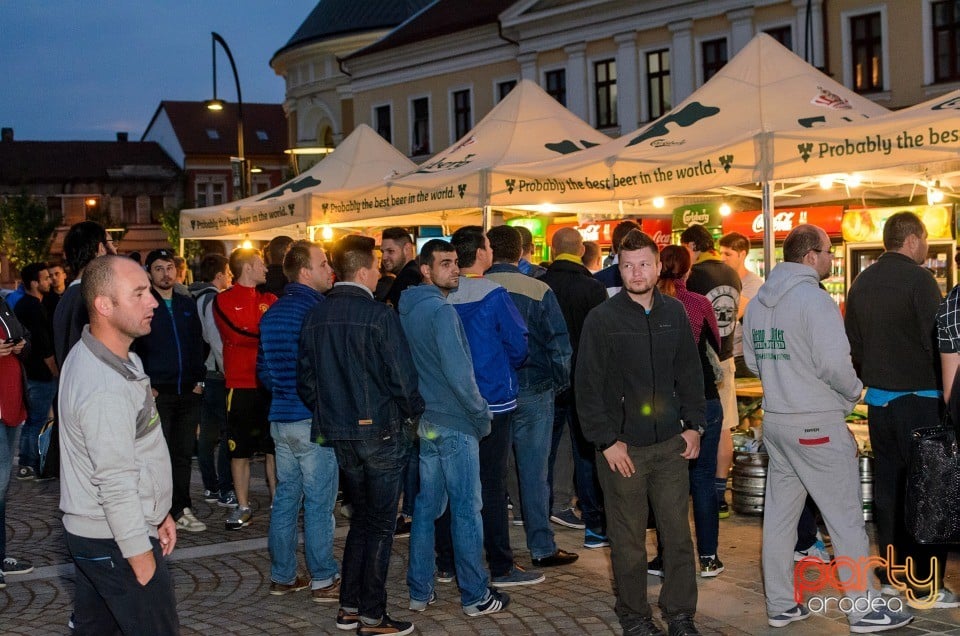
(766, 197)
(486, 218)
(182, 245)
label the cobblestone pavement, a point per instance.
(222, 580)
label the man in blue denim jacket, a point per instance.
(545, 373)
(357, 377)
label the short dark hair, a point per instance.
(276, 249)
(638, 240)
(98, 279)
(700, 237)
(351, 254)
(467, 240)
(898, 227)
(240, 257)
(31, 273)
(526, 237)
(81, 243)
(623, 228)
(506, 243)
(799, 242)
(398, 234)
(296, 258)
(211, 265)
(430, 248)
(566, 240)
(735, 241)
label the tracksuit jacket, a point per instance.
(172, 352)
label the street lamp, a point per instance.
(240, 176)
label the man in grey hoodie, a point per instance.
(794, 341)
(450, 429)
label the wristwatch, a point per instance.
(698, 428)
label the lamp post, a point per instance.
(241, 179)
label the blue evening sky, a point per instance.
(83, 70)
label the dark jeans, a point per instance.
(560, 462)
(589, 492)
(411, 479)
(807, 526)
(110, 600)
(215, 473)
(890, 433)
(371, 479)
(179, 416)
(702, 474)
(662, 478)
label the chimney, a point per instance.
(6, 134)
(122, 136)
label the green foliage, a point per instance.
(26, 230)
(170, 222)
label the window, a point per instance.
(259, 184)
(714, 57)
(381, 121)
(262, 135)
(420, 141)
(866, 47)
(658, 83)
(605, 92)
(157, 207)
(54, 208)
(557, 85)
(462, 119)
(783, 35)
(212, 133)
(946, 40)
(504, 88)
(208, 192)
(129, 212)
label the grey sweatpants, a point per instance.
(813, 454)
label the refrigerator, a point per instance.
(834, 284)
(939, 261)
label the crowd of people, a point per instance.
(464, 381)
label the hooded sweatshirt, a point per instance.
(795, 341)
(441, 354)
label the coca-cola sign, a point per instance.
(750, 222)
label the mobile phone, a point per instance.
(12, 341)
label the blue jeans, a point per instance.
(589, 494)
(372, 472)
(39, 398)
(8, 436)
(215, 474)
(532, 434)
(306, 472)
(449, 472)
(702, 473)
(411, 479)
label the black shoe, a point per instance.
(403, 528)
(682, 625)
(655, 567)
(560, 557)
(386, 626)
(645, 626)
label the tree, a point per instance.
(26, 229)
(170, 222)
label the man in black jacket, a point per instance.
(639, 389)
(172, 355)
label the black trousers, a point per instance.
(179, 417)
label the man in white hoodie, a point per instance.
(794, 341)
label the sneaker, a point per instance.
(211, 496)
(798, 613)
(493, 603)
(403, 528)
(682, 625)
(238, 518)
(655, 567)
(560, 557)
(569, 519)
(723, 510)
(517, 521)
(16, 566)
(279, 589)
(594, 540)
(420, 606)
(818, 550)
(346, 511)
(943, 599)
(710, 566)
(3, 584)
(347, 620)
(442, 576)
(189, 522)
(517, 576)
(386, 625)
(889, 590)
(329, 594)
(880, 621)
(26, 473)
(645, 626)
(228, 500)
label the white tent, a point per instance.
(363, 158)
(528, 125)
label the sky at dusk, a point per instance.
(86, 69)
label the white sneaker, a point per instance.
(189, 523)
(944, 599)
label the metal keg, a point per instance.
(749, 482)
(866, 486)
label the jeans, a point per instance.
(532, 433)
(411, 479)
(8, 437)
(560, 463)
(493, 491)
(702, 472)
(39, 398)
(589, 494)
(449, 472)
(807, 526)
(215, 474)
(372, 470)
(306, 472)
(179, 416)
(110, 600)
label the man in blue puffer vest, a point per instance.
(305, 470)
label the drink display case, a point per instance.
(939, 261)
